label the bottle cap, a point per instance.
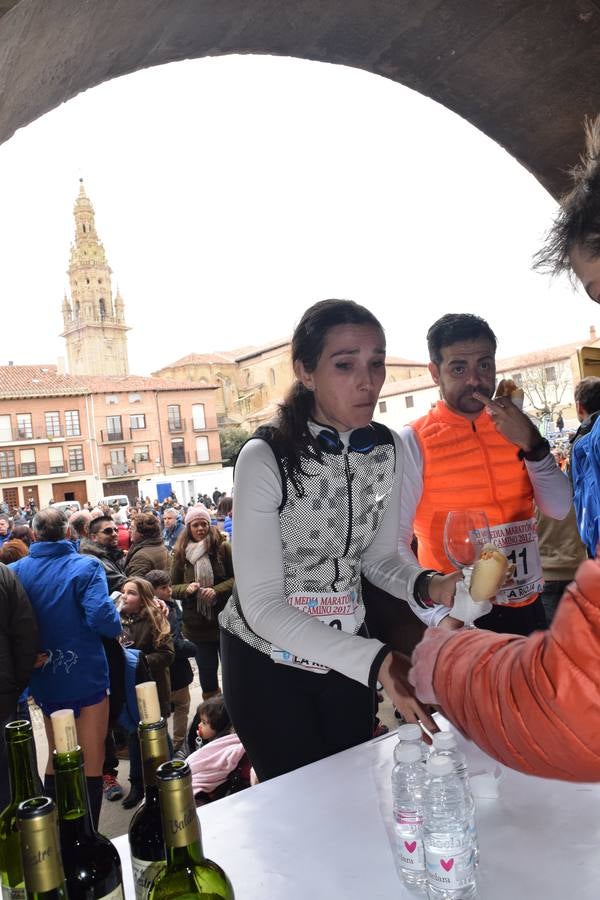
(409, 733)
(444, 740)
(407, 753)
(439, 765)
(64, 730)
(148, 703)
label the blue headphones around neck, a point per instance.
(362, 440)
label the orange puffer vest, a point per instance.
(466, 465)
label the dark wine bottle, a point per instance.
(40, 851)
(24, 783)
(91, 863)
(188, 873)
(145, 830)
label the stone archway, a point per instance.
(525, 73)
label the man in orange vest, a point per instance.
(473, 452)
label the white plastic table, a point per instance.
(324, 832)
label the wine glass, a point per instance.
(465, 533)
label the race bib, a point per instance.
(518, 541)
(335, 610)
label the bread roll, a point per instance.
(489, 574)
(508, 388)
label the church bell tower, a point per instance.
(94, 325)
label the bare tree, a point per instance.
(545, 387)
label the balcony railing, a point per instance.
(57, 470)
(28, 468)
(180, 459)
(176, 426)
(117, 470)
(196, 426)
(113, 437)
(24, 434)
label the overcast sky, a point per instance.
(232, 193)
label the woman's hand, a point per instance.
(192, 587)
(393, 675)
(207, 594)
(443, 587)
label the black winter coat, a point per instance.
(18, 641)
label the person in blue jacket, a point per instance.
(69, 596)
(585, 462)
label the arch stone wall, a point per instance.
(523, 71)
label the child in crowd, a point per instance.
(180, 670)
(147, 629)
(220, 765)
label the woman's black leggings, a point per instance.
(287, 717)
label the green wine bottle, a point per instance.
(91, 862)
(188, 873)
(145, 830)
(40, 851)
(24, 783)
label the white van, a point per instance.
(123, 502)
(67, 506)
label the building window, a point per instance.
(5, 429)
(174, 417)
(198, 417)
(76, 463)
(102, 308)
(178, 451)
(56, 459)
(137, 422)
(111, 398)
(382, 406)
(114, 429)
(202, 452)
(24, 426)
(72, 426)
(550, 373)
(272, 376)
(134, 398)
(518, 379)
(28, 466)
(117, 457)
(141, 454)
(52, 424)
(409, 401)
(8, 468)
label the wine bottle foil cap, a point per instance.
(173, 771)
(39, 843)
(35, 808)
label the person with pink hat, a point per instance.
(202, 579)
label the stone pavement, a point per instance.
(114, 820)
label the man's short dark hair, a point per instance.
(158, 578)
(99, 523)
(50, 525)
(587, 392)
(454, 327)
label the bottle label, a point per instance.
(452, 868)
(116, 894)
(144, 873)
(409, 843)
(13, 893)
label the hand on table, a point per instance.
(393, 675)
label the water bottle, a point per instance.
(413, 736)
(449, 856)
(408, 778)
(444, 744)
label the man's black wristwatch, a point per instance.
(537, 453)
(421, 588)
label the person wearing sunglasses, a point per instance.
(103, 544)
